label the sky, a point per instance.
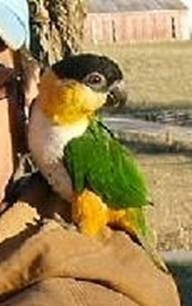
(188, 3)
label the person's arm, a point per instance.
(5, 74)
(6, 145)
(56, 257)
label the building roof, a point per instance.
(104, 6)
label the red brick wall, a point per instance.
(133, 26)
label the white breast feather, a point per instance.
(46, 143)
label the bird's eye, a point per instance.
(95, 80)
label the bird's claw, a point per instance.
(61, 221)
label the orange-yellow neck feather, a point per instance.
(67, 101)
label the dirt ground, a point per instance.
(169, 177)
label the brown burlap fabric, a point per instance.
(57, 266)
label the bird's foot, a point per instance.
(63, 223)
(54, 221)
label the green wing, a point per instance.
(97, 161)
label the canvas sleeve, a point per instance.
(50, 257)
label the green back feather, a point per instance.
(97, 161)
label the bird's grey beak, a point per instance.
(117, 96)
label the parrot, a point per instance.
(80, 157)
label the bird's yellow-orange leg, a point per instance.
(91, 214)
(122, 220)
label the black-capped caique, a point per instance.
(80, 157)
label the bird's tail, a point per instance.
(135, 222)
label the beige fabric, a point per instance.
(68, 268)
(69, 292)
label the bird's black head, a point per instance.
(100, 73)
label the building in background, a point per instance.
(111, 21)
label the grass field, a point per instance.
(158, 74)
(169, 177)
